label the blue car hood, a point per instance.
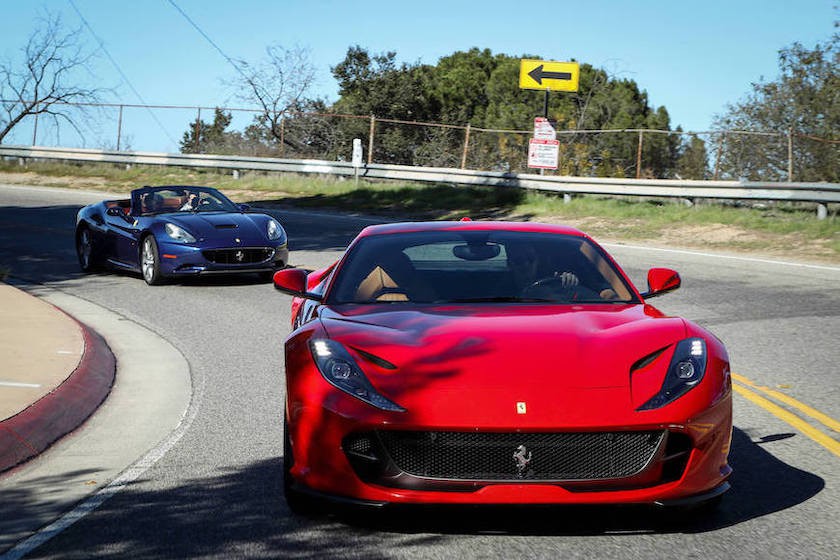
(222, 226)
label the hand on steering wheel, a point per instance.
(567, 279)
(559, 283)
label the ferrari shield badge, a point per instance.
(521, 407)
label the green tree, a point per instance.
(693, 160)
(376, 85)
(600, 103)
(804, 101)
(476, 88)
(204, 138)
(459, 85)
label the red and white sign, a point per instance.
(543, 154)
(544, 129)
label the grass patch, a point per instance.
(648, 216)
(790, 228)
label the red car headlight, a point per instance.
(687, 368)
(340, 370)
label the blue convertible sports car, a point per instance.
(176, 231)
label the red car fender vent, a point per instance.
(376, 360)
(647, 360)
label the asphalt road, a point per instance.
(215, 491)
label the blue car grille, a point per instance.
(243, 255)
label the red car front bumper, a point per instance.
(343, 450)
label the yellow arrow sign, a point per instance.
(544, 74)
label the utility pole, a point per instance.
(790, 154)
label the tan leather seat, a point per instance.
(379, 286)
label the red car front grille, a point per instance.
(508, 456)
(409, 457)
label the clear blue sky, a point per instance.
(693, 57)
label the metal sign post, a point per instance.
(357, 157)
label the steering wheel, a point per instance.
(552, 286)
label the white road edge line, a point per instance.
(16, 384)
(722, 256)
(126, 477)
(94, 501)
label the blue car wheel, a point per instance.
(150, 261)
(84, 250)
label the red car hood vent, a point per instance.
(459, 347)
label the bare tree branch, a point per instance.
(277, 85)
(46, 79)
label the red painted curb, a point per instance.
(64, 409)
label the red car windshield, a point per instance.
(478, 266)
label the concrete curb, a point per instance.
(147, 409)
(65, 408)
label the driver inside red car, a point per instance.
(530, 270)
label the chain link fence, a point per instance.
(639, 153)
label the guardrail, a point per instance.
(819, 193)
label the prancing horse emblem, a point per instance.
(523, 458)
(239, 256)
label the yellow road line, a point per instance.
(790, 401)
(795, 421)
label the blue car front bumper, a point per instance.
(178, 259)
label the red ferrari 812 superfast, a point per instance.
(497, 363)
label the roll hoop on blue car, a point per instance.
(167, 232)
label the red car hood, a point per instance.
(456, 356)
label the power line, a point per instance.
(119, 70)
(209, 40)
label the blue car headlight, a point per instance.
(687, 368)
(178, 233)
(340, 369)
(275, 231)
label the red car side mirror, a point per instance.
(661, 281)
(293, 281)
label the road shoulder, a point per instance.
(148, 401)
